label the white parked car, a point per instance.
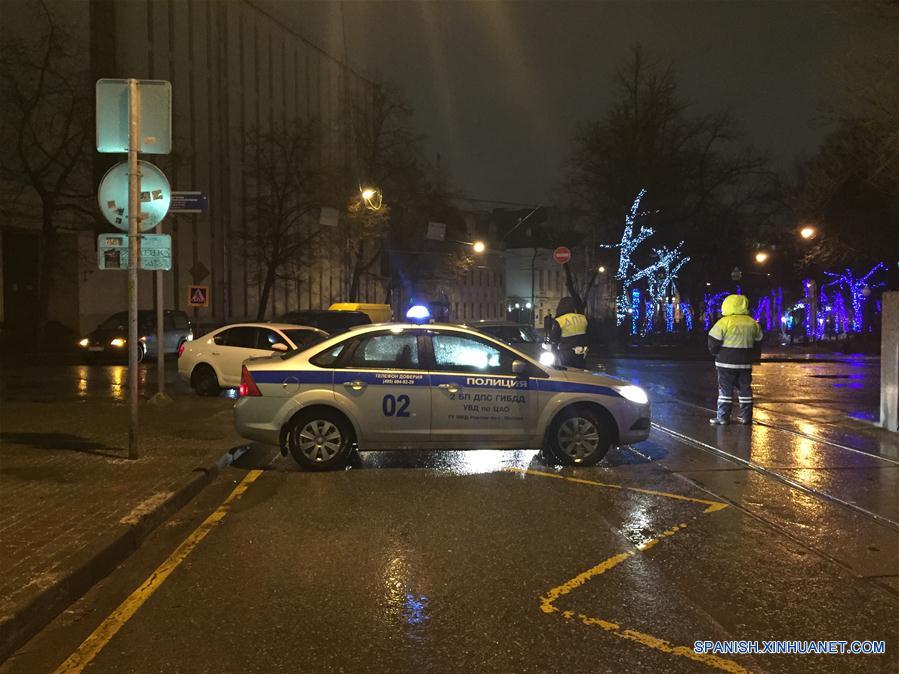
(212, 362)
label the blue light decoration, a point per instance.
(824, 310)
(841, 319)
(762, 313)
(418, 313)
(660, 274)
(687, 312)
(650, 318)
(855, 287)
(808, 285)
(712, 304)
(634, 311)
(669, 317)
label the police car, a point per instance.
(409, 386)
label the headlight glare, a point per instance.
(547, 358)
(634, 393)
(118, 342)
(84, 342)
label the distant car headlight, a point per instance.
(547, 358)
(634, 393)
(84, 342)
(118, 342)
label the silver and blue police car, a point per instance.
(410, 386)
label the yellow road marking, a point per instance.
(547, 601)
(712, 506)
(98, 639)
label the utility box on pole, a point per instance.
(889, 362)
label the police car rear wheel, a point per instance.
(580, 438)
(320, 441)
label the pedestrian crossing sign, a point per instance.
(198, 296)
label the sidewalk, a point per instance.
(72, 506)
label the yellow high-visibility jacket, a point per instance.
(736, 338)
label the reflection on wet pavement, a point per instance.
(468, 462)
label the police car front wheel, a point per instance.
(320, 440)
(579, 437)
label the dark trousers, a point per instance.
(728, 380)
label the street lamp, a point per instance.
(372, 198)
(479, 247)
(808, 232)
(761, 257)
(601, 270)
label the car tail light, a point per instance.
(180, 349)
(247, 385)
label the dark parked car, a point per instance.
(520, 335)
(332, 322)
(110, 339)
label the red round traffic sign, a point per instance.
(561, 255)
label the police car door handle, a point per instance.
(452, 388)
(356, 384)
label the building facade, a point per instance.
(234, 67)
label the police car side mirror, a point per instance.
(280, 347)
(519, 367)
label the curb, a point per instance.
(53, 600)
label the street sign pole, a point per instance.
(160, 329)
(134, 212)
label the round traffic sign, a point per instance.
(155, 196)
(561, 255)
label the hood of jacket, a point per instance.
(735, 304)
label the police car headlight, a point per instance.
(547, 358)
(84, 342)
(634, 393)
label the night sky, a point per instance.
(499, 88)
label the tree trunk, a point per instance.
(572, 290)
(267, 286)
(46, 250)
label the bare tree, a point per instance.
(46, 128)
(388, 157)
(364, 227)
(704, 183)
(287, 189)
(850, 188)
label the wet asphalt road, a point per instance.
(492, 561)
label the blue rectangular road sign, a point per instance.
(188, 202)
(155, 251)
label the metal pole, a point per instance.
(160, 328)
(133, 261)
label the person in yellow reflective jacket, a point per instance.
(569, 334)
(735, 341)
